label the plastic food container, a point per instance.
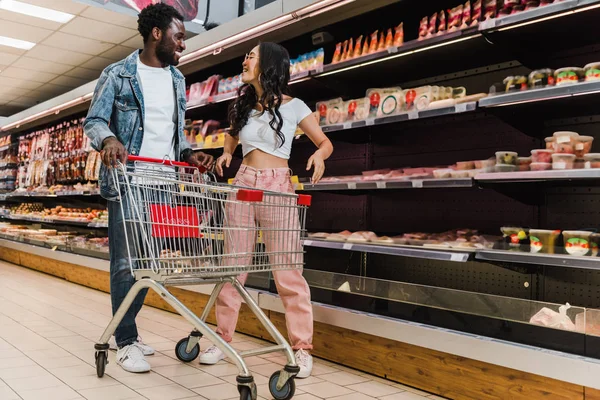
(550, 143)
(465, 165)
(541, 78)
(541, 156)
(506, 158)
(543, 240)
(594, 244)
(505, 168)
(579, 163)
(592, 160)
(563, 161)
(515, 83)
(523, 163)
(569, 75)
(514, 236)
(482, 164)
(565, 142)
(459, 174)
(577, 243)
(592, 71)
(583, 145)
(540, 166)
(443, 173)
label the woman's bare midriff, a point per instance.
(260, 160)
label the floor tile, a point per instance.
(343, 378)
(404, 396)
(7, 393)
(218, 392)
(175, 370)
(353, 396)
(118, 392)
(168, 392)
(145, 381)
(374, 389)
(326, 389)
(89, 382)
(197, 380)
(54, 393)
(40, 382)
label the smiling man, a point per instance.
(139, 108)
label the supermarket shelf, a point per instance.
(538, 259)
(53, 221)
(403, 184)
(70, 193)
(530, 176)
(438, 112)
(543, 94)
(518, 19)
(403, 251)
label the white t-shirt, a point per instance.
(258, 134)
(160, 113)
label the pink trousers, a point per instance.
(291, 285)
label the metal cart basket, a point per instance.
(183, 228)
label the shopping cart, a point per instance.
(184, 228)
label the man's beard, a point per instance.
(165, 54)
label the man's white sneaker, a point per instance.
(131, 359)
(147, 350)
(305, 361)
(211, 356)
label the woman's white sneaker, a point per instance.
(211, 356)
(305, 361)
(131, 359)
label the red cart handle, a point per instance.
(163, 162)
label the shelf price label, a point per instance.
(352, 185)
(456, 257)
(347, 246)
(381, 185)
(461, 107)
(348, 125)
(413, 114)
(417, 184)
(308, 242)
(370, 121)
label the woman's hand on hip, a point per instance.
(225, 159)
(317, 162)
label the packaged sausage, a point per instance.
(455, 18)
(365, 49)
(381, 45)
(432, 25)
(423, 28)
(399, 35)
(357, 110)
(374, 42)
(466, 17)
(389, 39)
(490, 8)
(384, 102)
(337, 54)
(344, 51)
(358, 47)
(441, 22)
(350, 53)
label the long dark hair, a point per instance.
(274, 68)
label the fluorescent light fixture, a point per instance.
(329, 8)
(52, 110)
(17, 43)
(35, 11)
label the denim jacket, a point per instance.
(117, 110)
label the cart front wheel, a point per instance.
(245, 393)
(181, 350)
(101, 362)
(286, 392)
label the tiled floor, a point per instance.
(48, 328)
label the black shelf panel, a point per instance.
(538, 259)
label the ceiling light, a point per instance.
(35, 11)
(19, 44)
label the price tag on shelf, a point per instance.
(54, 248)
(347, 246)
(456, 257)
(461, 107)
(370, 121)
(487, 24)
(308, 242)
(352, 185)
(418, 184)
(413, 114)
(381, 185)
(319, 70)
(392, 49)
(348, 125)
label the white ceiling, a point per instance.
(66, 56)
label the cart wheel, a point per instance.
(245, 393)
(101, 362)
(181, 350)
(286, 392)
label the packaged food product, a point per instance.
(350, 52)
(541, 78)
(389, 39)
(563, 161)
(579, 163)
(330, 112)
(505, 168)
(592, 160)
(511, 3)
(357, 110)
(543, 240)
(474, 172)
(433, 21)
(399, 35)
(568, 75)
(381, 45)
(442, 173)
(459, 174)
(374, 42)
(506, 158)
(523, 163)
(583, 145)
(358, 47)
(514, 236)
(441, 22)
(344, 51)
(592, 71)
(466, 16)
(423, 28)
(476, 13)
(515, 83)
(595, 244)
(550, 143)
(465, 165)
(490, 8)
(385, 102)
(459, 92)
(541, 156)
(441, 104)
(365, 49)
(577, 243)
(455, 18)
(418, 98)
(540, 166)
(482, 164)
(565, 142)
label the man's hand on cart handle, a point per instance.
(200, 159)
(113, 151)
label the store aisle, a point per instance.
(48, 328)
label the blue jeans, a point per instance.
(121, 279)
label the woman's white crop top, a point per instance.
(258, 134)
